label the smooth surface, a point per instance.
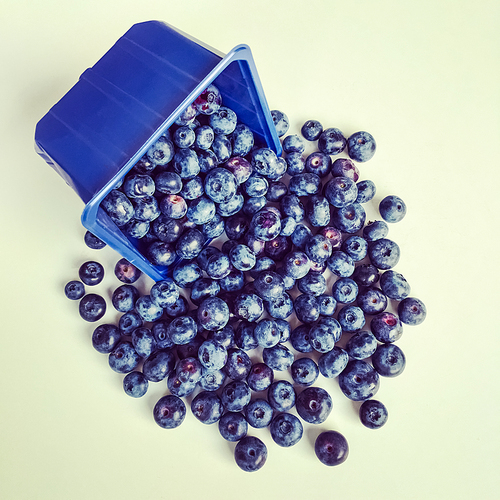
(423, 78)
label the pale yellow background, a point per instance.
(423, 77)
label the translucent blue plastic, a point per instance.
(97, 132)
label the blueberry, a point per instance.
(295, 163)
(168, 182)
(305, 184)
(366, 275)
(341, 191)
(331, 141)
(244, 337)
(207, 407)
(242, 258)
(209, 101)
(135, 228)
(138, 186)
(182, 330)
(212, 355)
(297, 264)
(384, 253)
(74, 290)
(204, 137)
(187, 116)
(145, 210)
(356, 247)
(223, 121)
(201, 210)
(248, 307)
(306, 308)
(265, 162)
(211, 380)
(105, 338)
(92, 241)
(161, 152)
(327, 305)
(345, 290)
(237, 226)
(124, 298)
(167, 229)
(318, 211)
(394, 285)
(386, 327)
(286, 429)
(91, 273)
(135, 384)
(292, 206)
(92, 307)
(371, 300)
(124, 358)
(158, 365)
(183, 137)
(185, 274)
(288, 225)
(332, 363)
(331, 448)
(361, 345)
(351, 318)
(192, 189)
(281, 122)
(412, 311)
(143, 341)
(206, 160)
(373, 414)
(256, 185)
(267, 333)
(250, 454)
(233, 426)
(304, 371)
(278, 358)
(389, 360)
(224, 336)
(186, 163)
(361, 146)
(259, 413)
(214, 228)
(169, 412)
(173, 206)
(232, 207)
(235, 396)
(129, 321)
(159, 329)
(350, 218)
(118, 207)
(179, 308)
(238, 364)
(218, 266)
(203, 288)
(242, 140)
(276, 191)
(375, 230)
(189, 244)
(293, 144)
(322, 338)
(260, 377)
(344, 167)
(314, 405)
(147, 309)
(213, 313)
(164, 292)
(366, 191)
(178, 387)
(340, 264)
(222, 148)
(279, 308)
(359, 381)
(265, 225)
(300, 236)
(299, 338)
(311, 130)
(281, 395)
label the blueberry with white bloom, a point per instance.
(361, 146)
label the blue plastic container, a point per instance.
(97, 132)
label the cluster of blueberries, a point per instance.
(204, 178)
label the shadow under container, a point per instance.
(118, 108)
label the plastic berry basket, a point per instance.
(118, 108)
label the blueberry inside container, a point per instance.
(118, 108)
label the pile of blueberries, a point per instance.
(205, 179)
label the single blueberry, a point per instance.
(124, 358)
(331, 141)
(344, 167)
(118, 207)
(92, 241)
(412, 311)
(345, 290)
(389, 360)
(91, 273)
(281, 122)
(375, 230)
(371, 300)
(169, 412)
(356, 247)
(207, 407)
(238, 364)
(341, 191)
(386, 327)
(350, 218)
(105, 338)
(259, 413)
(124, 298)
(332, 363)
(143, 341)
(211, 380)
(242, 140)
(74, 290)
(306, 308)
(383, 253)
(235, 396)
(299, 338)
(314, 405)
(173, 206)
(223, 121)
(186, 163)
(260, 377)
(359, 380)
(161, 152)
(311, 130)
(248, 307)
(158, 365)
(233, 426)
(128, 322)
(305, 184)
(92, 307)
(138, 186)
(304, 371)
(147, 309)
(340, 264)
(373, 414)
(212, 355)
(278, 358)
(366, 191)
(366, 275)
(135, 384)
(250, 454)
(331, 448)
(281, 395)
(286, 429)
(327, 305)
(361, 146)
(361, 345)
(293, 144)
(394, 285)
(322, 338)
(351, 318)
